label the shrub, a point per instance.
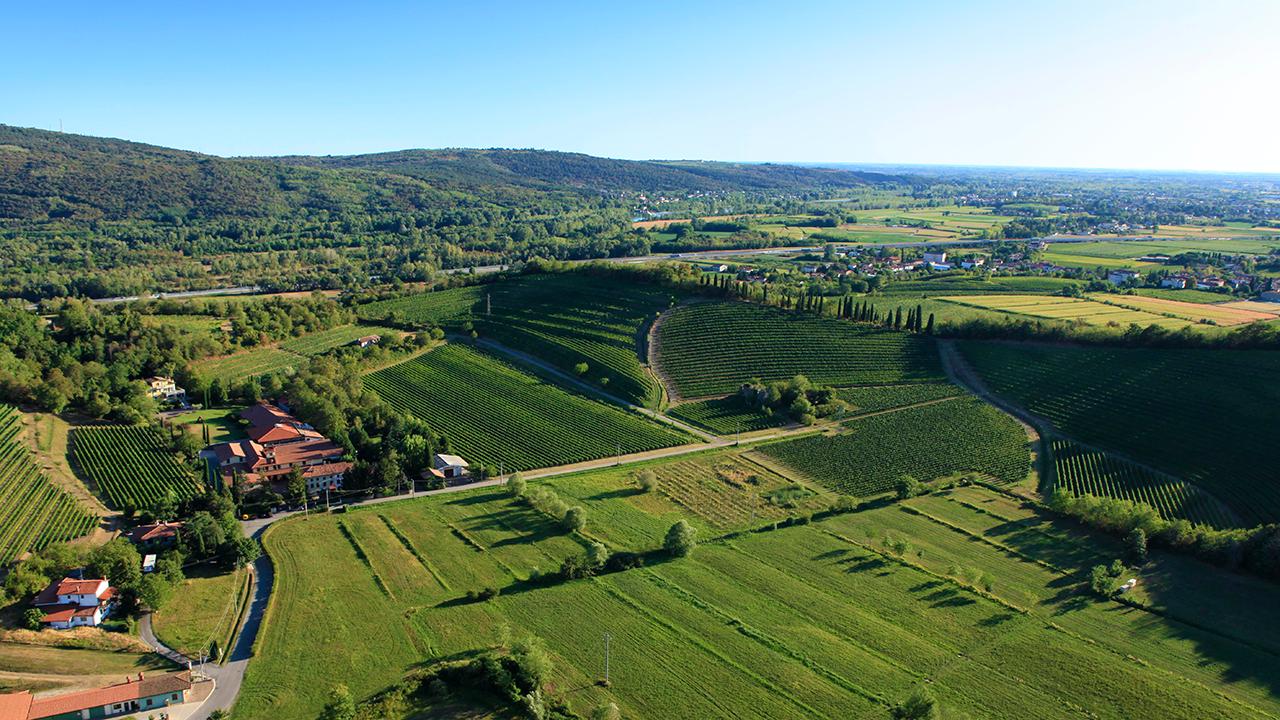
(681, 539)
(648, 481)
(575, 519)
(516, 485)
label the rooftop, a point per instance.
(131, 689)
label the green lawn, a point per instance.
(224, 423)
(203, 610)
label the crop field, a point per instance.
(1069, 309)
(1269, 308)
(1084, 471)
(246, 364)
(958, 436)
(712, 348)
(185, 323)
(325, 340)
(564, 319)
(493, 414)
(728, 491)
(1206, 416)
(131, 465)
(970, 285)
(1195, 312)
(874, 399)
(814, 621)
(34, 512)
(725, 416)
(1189, 296)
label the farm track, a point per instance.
(652, 350)
(1043, 432)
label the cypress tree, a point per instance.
(929, 329)
(919, 317)
(897, 319)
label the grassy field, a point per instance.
(973, 285)
(224, 423)
(185, 323)
(1091, 312)
(1206, 416)
(494, 414)
(713, 348)
(203, 610)
(564, 319)
(325, 340)
(34, 512)
(944, 439)
(131, 465)
(817, 621)
(1192, 311)
(246, 364)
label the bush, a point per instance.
(648, 481)
(575, 519)
(681, 539)
(908, 487)
(516, 485)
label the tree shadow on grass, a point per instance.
(615, 494)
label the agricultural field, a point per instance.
(1071, 309)
(1186, 296)
(203, 611)
(34, 512)
(1206, 416)
(1193, 311)
(866, 400)
(494, 414)
(729, 491)
(246, 364)
(186, 323)
(725, 416)
(974, 285)
(1116, 254)
(891, 225)
(1088, 472)
(131, 465)
(1269, 308)
(712, 348)
(821, 620)
(563, 319)
(323, 341)
(949, 438)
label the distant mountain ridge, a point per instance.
(50, 175)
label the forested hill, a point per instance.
(547, 170)
(47, 175)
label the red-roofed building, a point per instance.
(155, 534)
(278, 443)
(15, 706)
(131, 696)
(72, 602)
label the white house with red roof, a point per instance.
(72, 602)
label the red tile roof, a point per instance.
(15, 706)
(153, 532)
(143, 687)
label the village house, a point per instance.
(368, 340)
(935, 258)
(1210, 283)
(164, 388)
(974, 263)
(447, 467)
(142, 694)
(1177, 282)
(277, 444)
(72, 602)
(1121, 277)
(155, 535)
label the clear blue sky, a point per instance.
(1114, 83)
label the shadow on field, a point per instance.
(615, 494)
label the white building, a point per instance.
(1121, 277)
(935, 258)
(71, 602)
(449, 466)
(164, 388)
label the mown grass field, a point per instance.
(1206, 416)
(949, 438)
(34, 512)
(713, 348)
(972, 285)
(246, 364)
(1091, 312)
(494, 414)
(224, 423)
(818, 620)
(131, 465)
(564, 319)
(203, 610)
(325, 340)
(1193, 311)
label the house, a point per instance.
(935, 258)
(449, 466)
(974, 263)
(939, 266)
(1177, 282)
(142, 694)
(164, 388)
(277, 444)
(368, 340)
(154, 535)
(1121, 277)
(72, 602)
(1210, 283)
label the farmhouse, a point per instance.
(448, 466)
(278, 443)
(971, 264)
(1120, 277)
(1177, 282)
(368, 340)
(72, 602)
(1210, 283)
(131, 696)
(154, 535)
(164, 388)
(935, 258)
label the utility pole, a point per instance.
(326, 498)
(607, 638)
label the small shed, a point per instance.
(451, 466)
(148, 563)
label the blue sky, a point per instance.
(1178, 85)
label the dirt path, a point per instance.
(653, 346)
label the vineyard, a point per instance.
(564, 319)
(728, 491)
(725, 416)
(325, 340)
(131, 465)
(1084, 471)
(712, 348)
(1207, 416)
(494, 414)
(866, 400)
(246, 364)
(34, 512)
(948, 438)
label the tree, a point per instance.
(341, 705)
(202, 535)
(119, 562)
(1102, 582)
(31, 618)
(908, 487)
(516, 485)
(681, 539)
(648, 480)
(581, 368)
(597, 555)
(1136, 547)
(920, 705)
(575, 519)
(297, 486)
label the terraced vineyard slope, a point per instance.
(564, 319)
(33, 511)
(131, 465)
(1084, 471)
(712, 348)
(947, 438)
(1207, 416)
(494, 414)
